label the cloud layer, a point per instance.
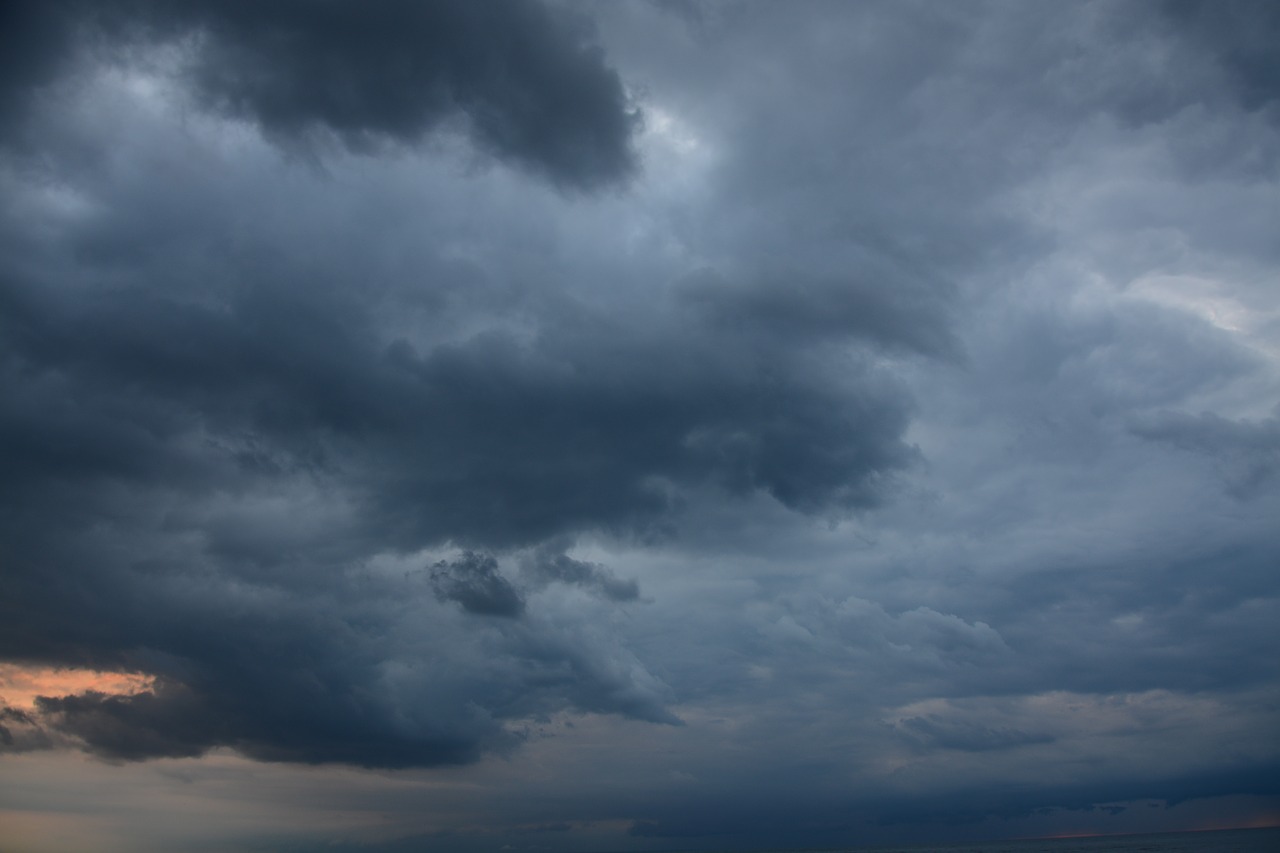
(856, 420)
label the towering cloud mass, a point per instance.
(211, 428)
(848, 418)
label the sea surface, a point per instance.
(1217, 841)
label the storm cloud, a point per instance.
(669, 425)
(525, 80)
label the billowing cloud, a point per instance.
(549, 565)
(474, 582)
(856, 421)
(525, 80)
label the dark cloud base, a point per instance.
(488, 444)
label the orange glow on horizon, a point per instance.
(20, 685)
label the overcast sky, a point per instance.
(453, 426)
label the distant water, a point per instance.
(1218, 841)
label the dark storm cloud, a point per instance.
(163, 723)
(21, 731)
(873, 383)
(493, 441)
(374, 677)
(194, 407)
(251, 669)
(1241, 35)
(175, 720)
(473, 581)
(526, 80)
(35, 39)
(590, 425)
(549, 564)
(367, 672)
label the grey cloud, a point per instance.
(176, 721)
(833, 821)
(1241, 35)
(164, 723)
(370, 673)
(473, 581)
(247, 422)
(594, 673)
(591, 424)
(919, 640)
(491, 442)
(525, 80)
(1249, 451)
(34, 40)
(551, 565)
(930, 731)
(21, 731)
(241, 666)
(879, 301)
(871, 381)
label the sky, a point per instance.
(463, 426)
